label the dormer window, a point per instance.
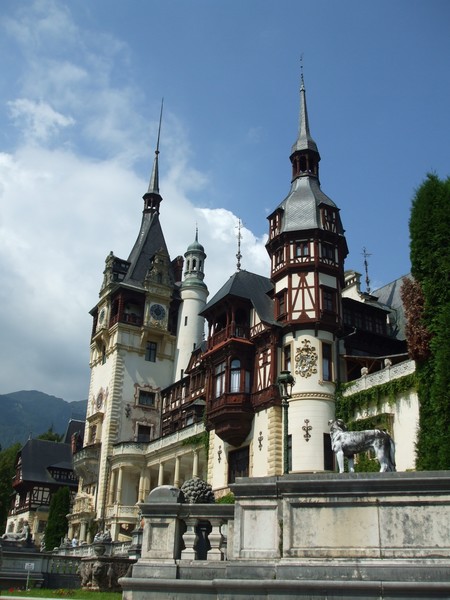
(329, 219)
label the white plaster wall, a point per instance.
(406, 424)
(308, 455)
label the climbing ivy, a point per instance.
(201, 439)
(348, 405)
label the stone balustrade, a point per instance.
(387, 374)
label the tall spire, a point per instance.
(152, 197)
(304, 140)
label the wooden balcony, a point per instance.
(231, 416)
(232, 331)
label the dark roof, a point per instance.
(389, 296)
(301, 205)
(250, 286)
(40, 455)
(73, 426)
(150, 240)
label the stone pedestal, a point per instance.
(348, 536)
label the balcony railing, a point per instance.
(229, 332)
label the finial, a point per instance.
(159, 128)
(153, 186)
(239, 237)
(366, 268)
(302, 81)
(196, 232)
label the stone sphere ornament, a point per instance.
(197, 491)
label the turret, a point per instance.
(193, 293)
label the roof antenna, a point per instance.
(239, 237)
(366, 268)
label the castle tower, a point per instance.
(193, 295)
(307, 249)
(132, 359)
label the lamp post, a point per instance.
(285, 383)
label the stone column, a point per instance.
(83, 530)
(115, 527)
(140, 497)
(176, 476)
(112, 485)
(119, 486)
(195, 464)
(147, 483)
(161, 474)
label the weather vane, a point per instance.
(239, 237)
(366, 268)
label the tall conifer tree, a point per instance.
(430, 266)
(57, 518)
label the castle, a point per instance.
(253, 396)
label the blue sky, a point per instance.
(80, 95)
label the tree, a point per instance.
(7, 472)
(57, 518)
(50, 436)
(429, 227)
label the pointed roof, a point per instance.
(150, 239)
(301, 207)
(304, 140)
(195, 246)
(250, 286)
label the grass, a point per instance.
(69, 594)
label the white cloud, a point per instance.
(37, 120)
(61, 214)
(71, 194)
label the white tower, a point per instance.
(307, 248)
(190, 331)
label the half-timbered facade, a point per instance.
(41, 468)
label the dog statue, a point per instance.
(348, 443)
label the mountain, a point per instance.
(31, 413)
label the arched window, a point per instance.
(235, 376)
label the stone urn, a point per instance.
(99, 549)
